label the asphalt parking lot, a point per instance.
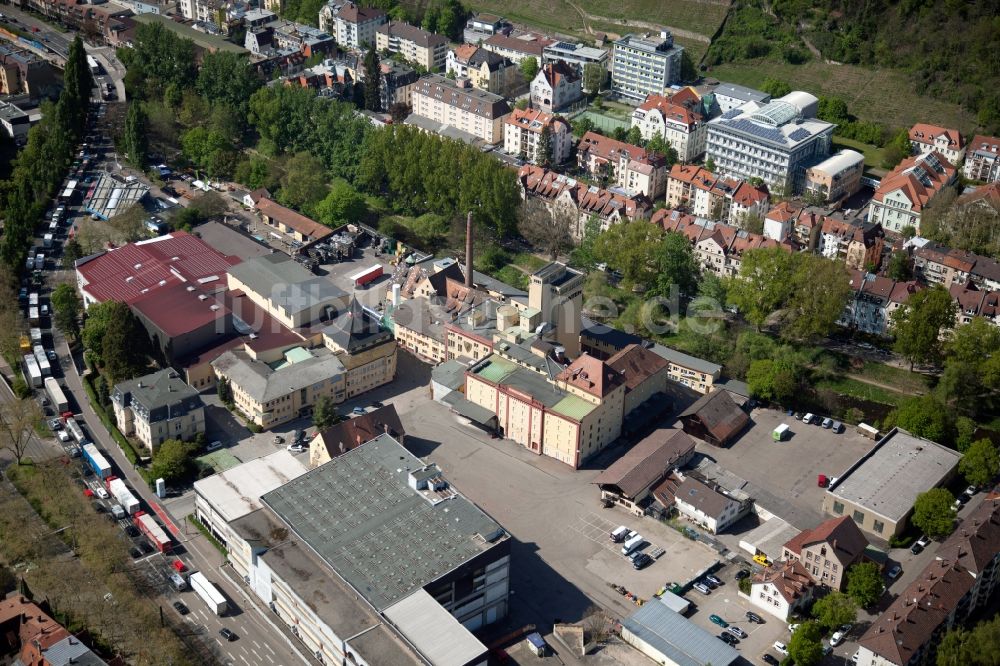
(782, 475)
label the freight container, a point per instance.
(153, 531)
(208, 592)
(120, 491)
(56, 395)
(97, 462)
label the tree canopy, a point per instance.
(864, 584)
(805, 645)
(924, 416)
(933, 513)
(917, 325)
(981, 462)
(834, 610)
(979, 646)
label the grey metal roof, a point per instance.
(263, 384)
(686, 360)
(157, 390)
(286, 283)
(741, 92)
(450, 374)
(471, 410)
(438, 635)
(678, 639)
(888, 478)
(359, 514)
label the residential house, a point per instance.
(32, 638)
(828, 550)
(352, 26)
(858, 244)
(303, 229)
(715, 418)
(354, 431)
(518, 45)
(775, 142)
(837, 177)
(483, 68)
(24, 73)
(938, 264)
(872, 301)
(906, 190)
(950, 589)
(782, 589)
(563, 194)
(982, 162)
(645, 64)
(523, 131)
(476, 112)
(972, 302)
(419, 47)
(398, 82)
(677, 118)
(947, 143)
(157, 407)
(629, 481)
(556, 86)
(718, 247)
(701, 502)
(631, 167)
(779, 220)
(702, 193)
(878, 491)
(480, 27)
(645, 372)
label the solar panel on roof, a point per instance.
(799, 134)
(730, 114)
(761, 131)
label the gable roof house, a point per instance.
(982, 161)
(629, 481)
(782, 589)
(556, 86)
(351, 433)
(633, 168)
(828, 550)
(931, 138)
(715, 418)
(910, 187)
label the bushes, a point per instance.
(208, 535)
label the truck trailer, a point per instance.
(43, 361)
(120, 492)
(32, 373)
(97, 462)
(153, 531)
(208, 592)
(362, 278)
(56, 395)
(74, 429)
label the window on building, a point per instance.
(878, 526)
(838, 507)
(859, 517)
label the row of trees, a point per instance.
(42, 163)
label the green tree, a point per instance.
(806, 646)
(594, 76)
(820, 289)
(430, 21)
(899, 267)
(99, 316)
(710, 165)
(583, 255)
(450, 20)
(775, 87)
(981, 463)
(66, 310)
(918, 324)
(529, 68)
(632, 248)
(864, 584)
(304, 183)
(324, 413)
(965, 430)
(173, 460)
(224, 391)
(582, 126)
(933, 513)
(71, 252)
(634, 136)
(765, 283)
(135, 138)
(676, 265)
(972, 367)
(924, 416)
(979, 646)
(714, 287)
(834, 610)
(210, 150)
(896, 149)
(373, 80)
(775, 380)
(342, 205)
(227, 79)
(124, 348)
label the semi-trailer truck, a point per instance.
(120, 492)
(56, 395)
(97, 462)
(208, 592)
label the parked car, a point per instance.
(214, 446)
(970, 491)
(701, 587)
(838, 427)
(718, 620)
(808, 418)
(753, 617)
(278, 439)
(228, 634)
(713, 580)
(101, 492)
(793, 627)
(837, 638)
(641, 561)
(736, 631)
(827, 422)
(55, 424)
(181, 608)
(924, 541)
(894, 572)
(768, 659)
(742, 573)
(780, 648)
(295, 448)
(358, 411)
(728, 639)
(916, 548)
(135, 553)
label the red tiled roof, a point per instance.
(842, 534)
(924, 133)
(607, 148)
(557, 69)
(672, 108)
(307, 227)
(989, 194)
(353, 432)
(976, 540)
(636, 364)
(465, 51)
(789, 579)
(784, 211)
(905, 177)
(524, 42)
(527, 119)
(179, 308)
(127, 273)
(354, 14)
(591, 375)
(548, 185)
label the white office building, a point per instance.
(775, 142)
(645, 64)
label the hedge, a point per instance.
(120, 439)
(208, 535)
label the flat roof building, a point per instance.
(836, 177)
(878, 491)
(729, 96)
(576, 54)
(454, 103)
(669, 638)
(645, 64)
(775, 142)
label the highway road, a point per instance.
(56, 41)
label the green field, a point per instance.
(884, 96)
(873, 154)
(862, 391)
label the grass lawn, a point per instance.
(873, 154)
(528, 262)
(904, 380)
(856, 389)
(884, 96)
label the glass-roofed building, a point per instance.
(774, 141)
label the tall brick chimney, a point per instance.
(468, 251)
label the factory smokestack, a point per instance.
(468, 251)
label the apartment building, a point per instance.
(938, 264)
(872, 301)
(418, 46)
(562, 193)
(837, 177)
(471, 110)
(782, 590)
(856, 243)
(827, 551)
(775, 142)
(556, 86)
(398, 81)
(947, 143)
(971, 302)
(630, 167)
(522, 135)
(33, 637)
(982, 161)
(480, 27)
(578, 55)
(678, 119)
(351, 25)
(645, 64)
(703, 194)
(484, 69)
(24, 73)
(518, 45)
(157, 407)
(905, 191)
(366, 350)
(878, 491)
(701, 502)
(951, 588)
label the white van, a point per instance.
(632, 544)
(179, 583)
(618, 534)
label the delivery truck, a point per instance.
(120, 492)
(43, 361)
(32, 373)
(153, 531)
(74, 429)
(780, 433)
(208, 592)
(97, 462)
(56, 395)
